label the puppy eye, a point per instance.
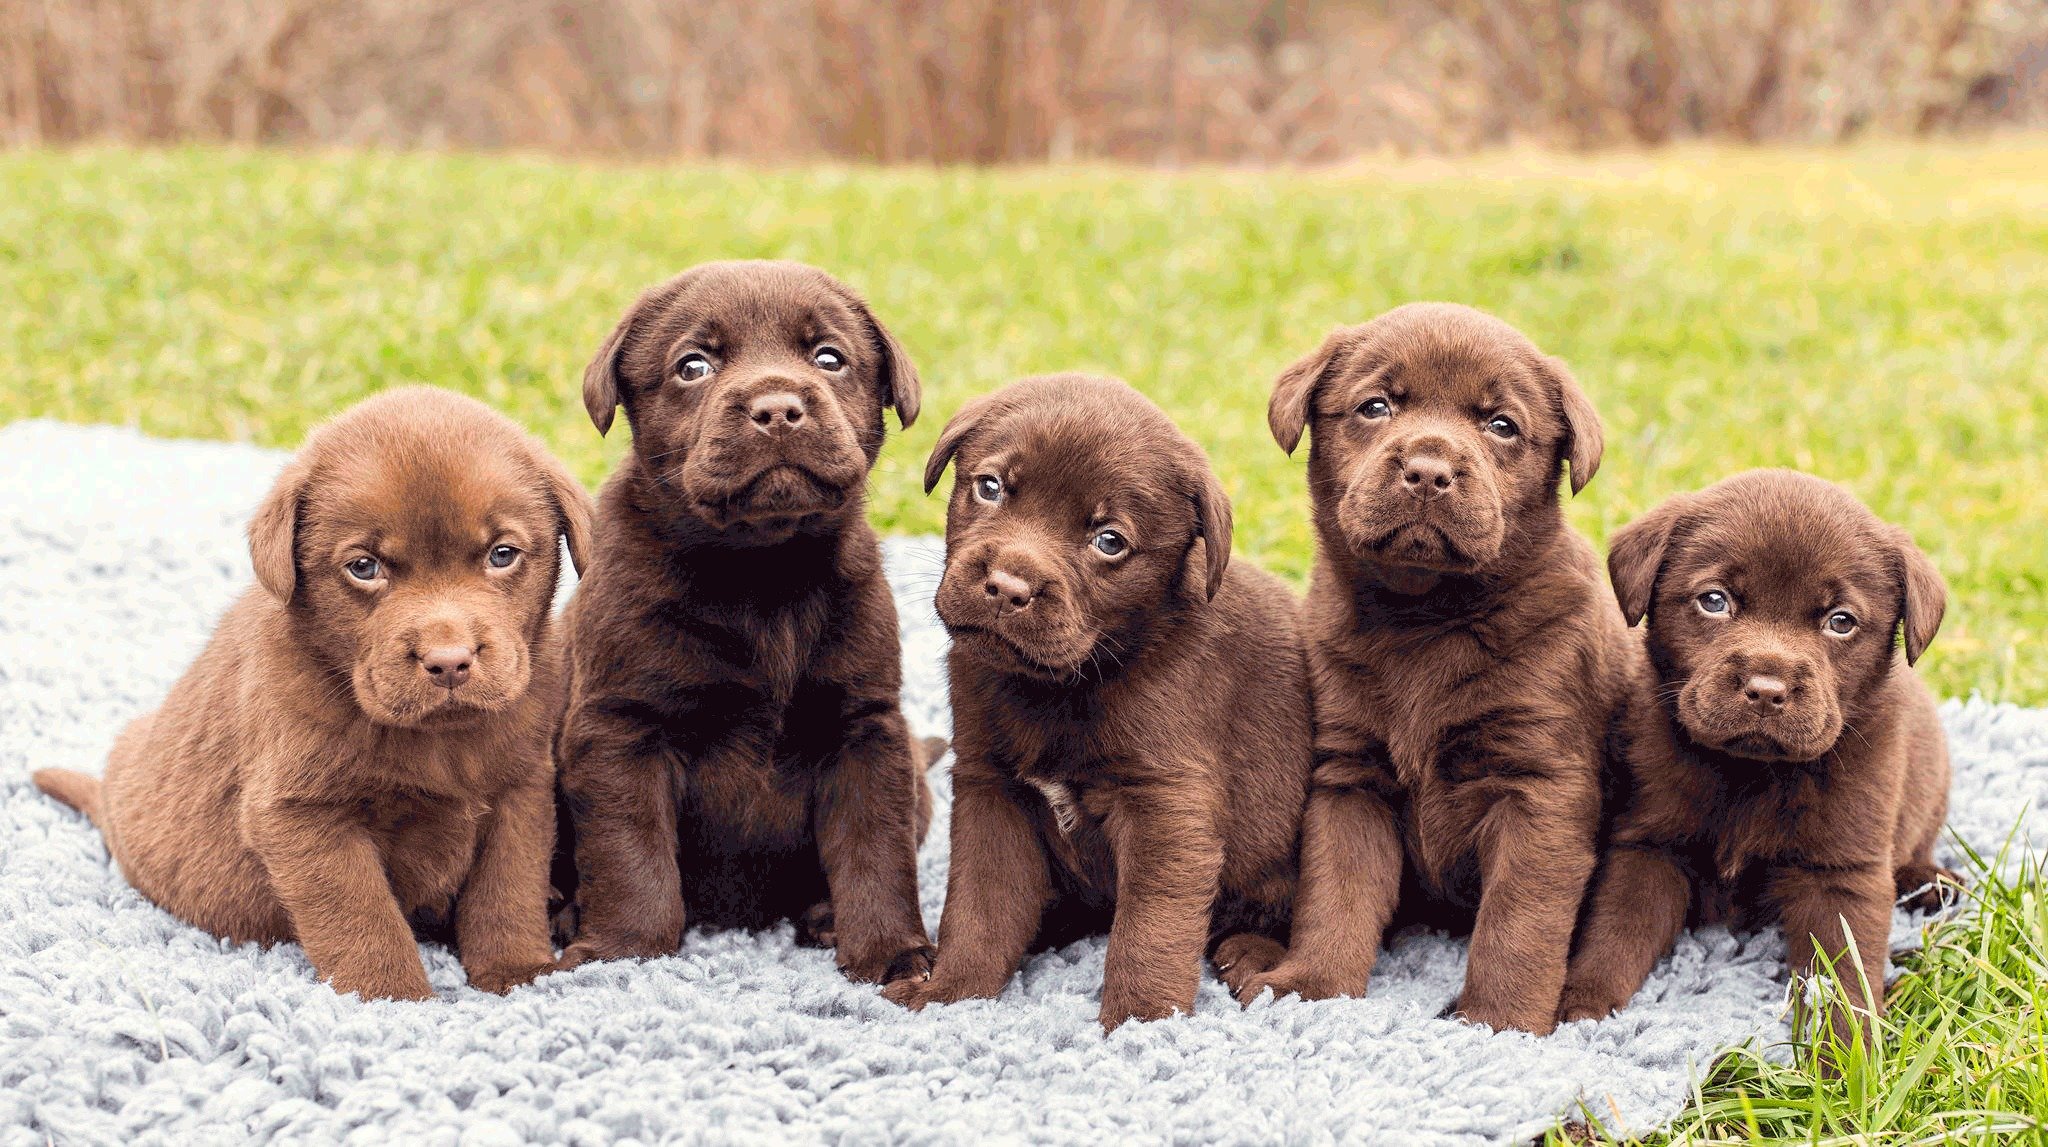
(501, 557)
(365, 569)
(1841, 623)
(694, 368)
(1109, 543)
(829, 358)
(988, 488)
(1376, 408)
(1713, 601)
(1501, 426)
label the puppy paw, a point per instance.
(386, 985)
(587, 949)
(1239, 958)
(1928, 888)
(1297, 980)
(501, 978)
(936, 988)
(1119, 1009)
(1590, 1002)
(815, 928)
(1505, 1017)
(887, 963)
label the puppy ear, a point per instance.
(900, 387)
(1584, 439)
(573, 503)
(601, 378)
(949, 439)
(1287, 412)
(1635, 555)
(1925, 596)
(1212, 515)
(274, 532)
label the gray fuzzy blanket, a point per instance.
(119, 1024)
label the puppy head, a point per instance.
(1076, 512)
(1438, 433)
(755, 392)
(1773, 599)
(413, 542)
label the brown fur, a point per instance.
(306, 779)
(733, 745)
(1132, 732)
(1738, 808)
(1465, 657)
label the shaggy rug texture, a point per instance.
(120, 1024)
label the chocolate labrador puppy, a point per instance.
(1778, 760)
(1130, 710)
(1465, 654)
(364, 743)
(733, 742)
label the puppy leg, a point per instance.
(325, 870)
(1169, 858)
(1350, 880)
(501, 924)
(1638, 906)
(1533, 868)
(629, 891)
(1815, 904)
(867, 839)
(996, 895)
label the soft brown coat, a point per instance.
(364, 743)
(1130, 709)
(1769, 767)
(733, 747)
(1465, 655)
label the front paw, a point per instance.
(938, 988)
(589, 948)
(1292, 979)
(391, 984)
(1243, 956)
(1590, 1001)
(1505, 1016)
(498, 979)
(887, 963)
(1118, 1010)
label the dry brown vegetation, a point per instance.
(981, 81)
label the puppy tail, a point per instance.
(75, 789)
(930, 749)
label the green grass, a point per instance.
(1876, 315)
(1964, 1058)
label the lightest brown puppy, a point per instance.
(734, 752)
(363, 745)
(1777, 760)
(1465, 654)
(1130, 710)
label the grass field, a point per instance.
(1878, 316)
(1874, 315)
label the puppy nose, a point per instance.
(446, 665)
(1766, 694)
(777, 412)
(1009, 592)
(1427, 476)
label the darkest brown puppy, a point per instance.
(1778, 760)
(1130, 709)
(733, 741)
(1465, 655)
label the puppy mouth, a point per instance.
(1756, 746)
(1001, 651)
(780, 495)
(1419, 545)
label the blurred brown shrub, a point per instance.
(982, 81)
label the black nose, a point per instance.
(774, 413)
(1766, 694)
(1009, 592)
(1427, 476)
(446, 665)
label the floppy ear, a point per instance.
(949, 439)
(572, 500)
(900, 387)
(1635, 554)
(1583, 438)
(601, 377)
(1925, 596)
(1212, 516)
(1287, 412)
(274, 532)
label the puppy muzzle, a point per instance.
(448, 671)
(1429, 509)
(1765, 712)
(1010, 613)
